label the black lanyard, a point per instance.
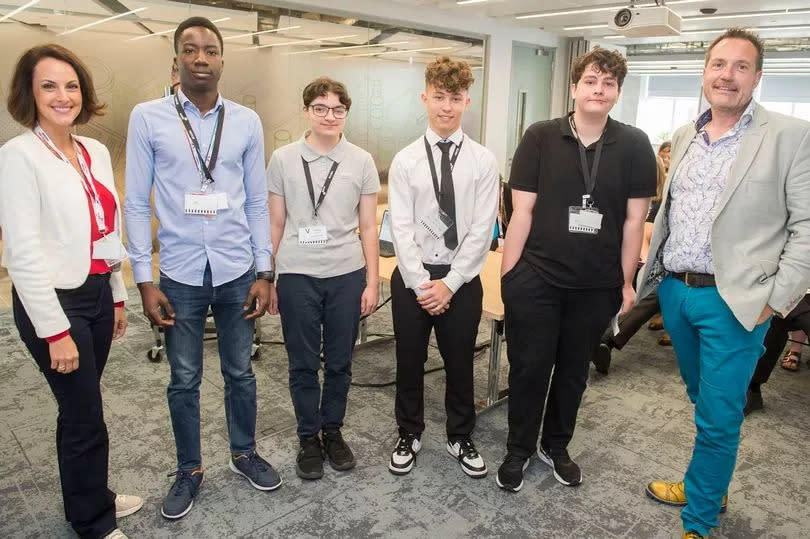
(324, 189)
(204, 168)
(433, 165)
(589, 175)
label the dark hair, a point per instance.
(666, 145)
(604, 60)
(740, 33)
(451, 75)
(322, 86)
(21, 103)
(192, 22)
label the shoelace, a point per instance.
(257, 462)
(467, 449)
(182, 483)
(405, 445)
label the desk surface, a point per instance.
(492, 305)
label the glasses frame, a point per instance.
(326, 112)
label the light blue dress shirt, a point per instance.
(159, 155)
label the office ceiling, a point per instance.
(763, 15)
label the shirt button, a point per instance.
(435, 255)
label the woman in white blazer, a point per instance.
(62, 247)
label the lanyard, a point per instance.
(589, 175)
(433, 165)
(324, 189)
(87, 177)
(204, 166)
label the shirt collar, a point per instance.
(433, 137)
(186, 102)
(336, 154)
(565, 128)
(744, 121)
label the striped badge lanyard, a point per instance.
(87, 177)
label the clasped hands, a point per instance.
(435, 297)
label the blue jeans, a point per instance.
(184, 349)
(306, 305)
(717, 357)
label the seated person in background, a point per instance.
(642, 311)
(775, 339)
(793, 358)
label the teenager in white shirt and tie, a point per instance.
(443, 197)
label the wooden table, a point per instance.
(491, 307)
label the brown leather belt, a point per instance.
(695, 280)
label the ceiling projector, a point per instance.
(652, 21)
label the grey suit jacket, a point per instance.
(761, 231)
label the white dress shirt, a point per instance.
(411, 196)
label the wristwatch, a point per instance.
(266, 276)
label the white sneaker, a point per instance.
(126, 504)
(404, 455)
(471, 462)
(115, 534)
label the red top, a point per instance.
(97, 267)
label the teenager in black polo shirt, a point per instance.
(569, 258)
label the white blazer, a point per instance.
(46, 226)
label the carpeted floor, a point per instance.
(635, 425)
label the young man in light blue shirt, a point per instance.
(204, 156)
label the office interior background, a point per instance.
(520, 51)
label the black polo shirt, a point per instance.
(547, 162)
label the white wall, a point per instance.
(498, 59)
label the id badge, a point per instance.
(584, 220)
(110, 249)
(198, 203)
(436, 225)
(312, 235)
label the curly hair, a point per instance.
(451, 75)
(604, 60)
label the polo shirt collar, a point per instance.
(336, 154)
(565, 128)
(186, 102)
(433, 137)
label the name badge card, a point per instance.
(584, 220)
(110, 249)
(312, 235)
(436, 225)
(205, 204)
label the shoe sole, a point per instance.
(255, 485)
(559, 479)
(475, 474)
(403, 471)
(343, 467)
(184, 513)
(655, 498)
(130, 511)
(517, 488)
(304, 475)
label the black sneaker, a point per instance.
(340, 456)
(180, 498)
(753, 402)
(510, 474)
(601, 359)
(404, 454)
(566, 470)
(472, 463)
(309, 462)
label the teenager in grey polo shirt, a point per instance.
(322, 189)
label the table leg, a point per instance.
(495, 331)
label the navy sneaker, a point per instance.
(259, 473)
(180, 498)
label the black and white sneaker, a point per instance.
(471, 462)
(566, 471)
(510, 474)
(404, 455)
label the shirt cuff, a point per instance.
(58, 336)
(263, 263)
(453, 280)
(142, 273)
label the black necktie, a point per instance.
(447, 197)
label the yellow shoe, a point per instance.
(693, 535)
(674, 494)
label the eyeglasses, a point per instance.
(338, 112)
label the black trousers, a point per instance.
(456, 330)
(777, 337)
(631, 322)
(549, 329)
(82, 446)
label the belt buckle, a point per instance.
(686, 279)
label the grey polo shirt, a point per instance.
(356, 175)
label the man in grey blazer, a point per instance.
(730, 249)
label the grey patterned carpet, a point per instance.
(635, 425)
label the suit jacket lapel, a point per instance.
(749, 146)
